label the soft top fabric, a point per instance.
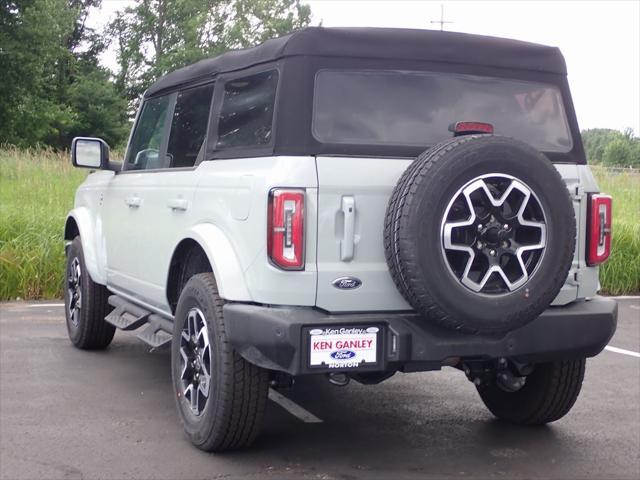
(376, 43)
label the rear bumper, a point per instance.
(277, 337)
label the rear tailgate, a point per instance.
(365, 184)
(350, 243)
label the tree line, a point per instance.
(612, 148)
(53, 87)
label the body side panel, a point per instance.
(231, 200)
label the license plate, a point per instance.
(343, 347)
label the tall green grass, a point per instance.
(37, 189)
(36, 192)
(621, 274)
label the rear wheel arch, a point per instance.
(188, 259)
(206, 248)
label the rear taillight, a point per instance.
(599, 225)
(285, 228)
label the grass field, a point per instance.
(621, 274)
(37, 189)
(36, 192)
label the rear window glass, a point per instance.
(246, 116)
(416, 108)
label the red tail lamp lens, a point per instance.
(285, 224)
(599, 225)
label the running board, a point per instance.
(129, 316)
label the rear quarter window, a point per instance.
(246, 115)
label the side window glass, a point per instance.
(189, 126)
(144, 151)
(246, 116)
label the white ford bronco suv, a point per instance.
(349, 202)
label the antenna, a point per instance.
(442, 21)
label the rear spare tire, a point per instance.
(480, 234)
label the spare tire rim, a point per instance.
(195, 361)
(74, 291)
(494, 234)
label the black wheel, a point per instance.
(480, 234)
(85, 304)
(547, 395)
(220, 397)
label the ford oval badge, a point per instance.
(346, 283)
(342, 354)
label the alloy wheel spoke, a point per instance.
(185, 363)
(195, 353)
(203, 387)
(505, 218)
(74, 291)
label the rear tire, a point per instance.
(230, 415)
(85, 303)
(548, 394)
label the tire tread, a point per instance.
(94, 332)
(244, 387)
(549, 394)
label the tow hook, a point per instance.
(478, 373)
(281, 380)
(505, 379)
(510, 376)
(338, 379)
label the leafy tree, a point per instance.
(617, 153)
(98, 109)
(30, 48)
(612, 147)
(47, 58)
(158, 36)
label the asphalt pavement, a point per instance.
(66, 413)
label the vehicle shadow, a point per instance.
(411, 426)
(393, 428)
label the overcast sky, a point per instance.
(600, 40)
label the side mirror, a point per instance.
(87, 152)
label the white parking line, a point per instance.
(292, 407)
(622, 351)
(49, 305)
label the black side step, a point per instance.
(125, 315)
(129, 316)
(157, 332)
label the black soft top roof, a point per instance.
(377, 43)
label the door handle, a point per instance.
(348, 237)
(178, 204)
(133, 202)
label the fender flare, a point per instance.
(90, 232)
(223, 259)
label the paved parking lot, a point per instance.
(66, 413)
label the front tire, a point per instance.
(85, 303)
(549, 393)
(221, 398)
